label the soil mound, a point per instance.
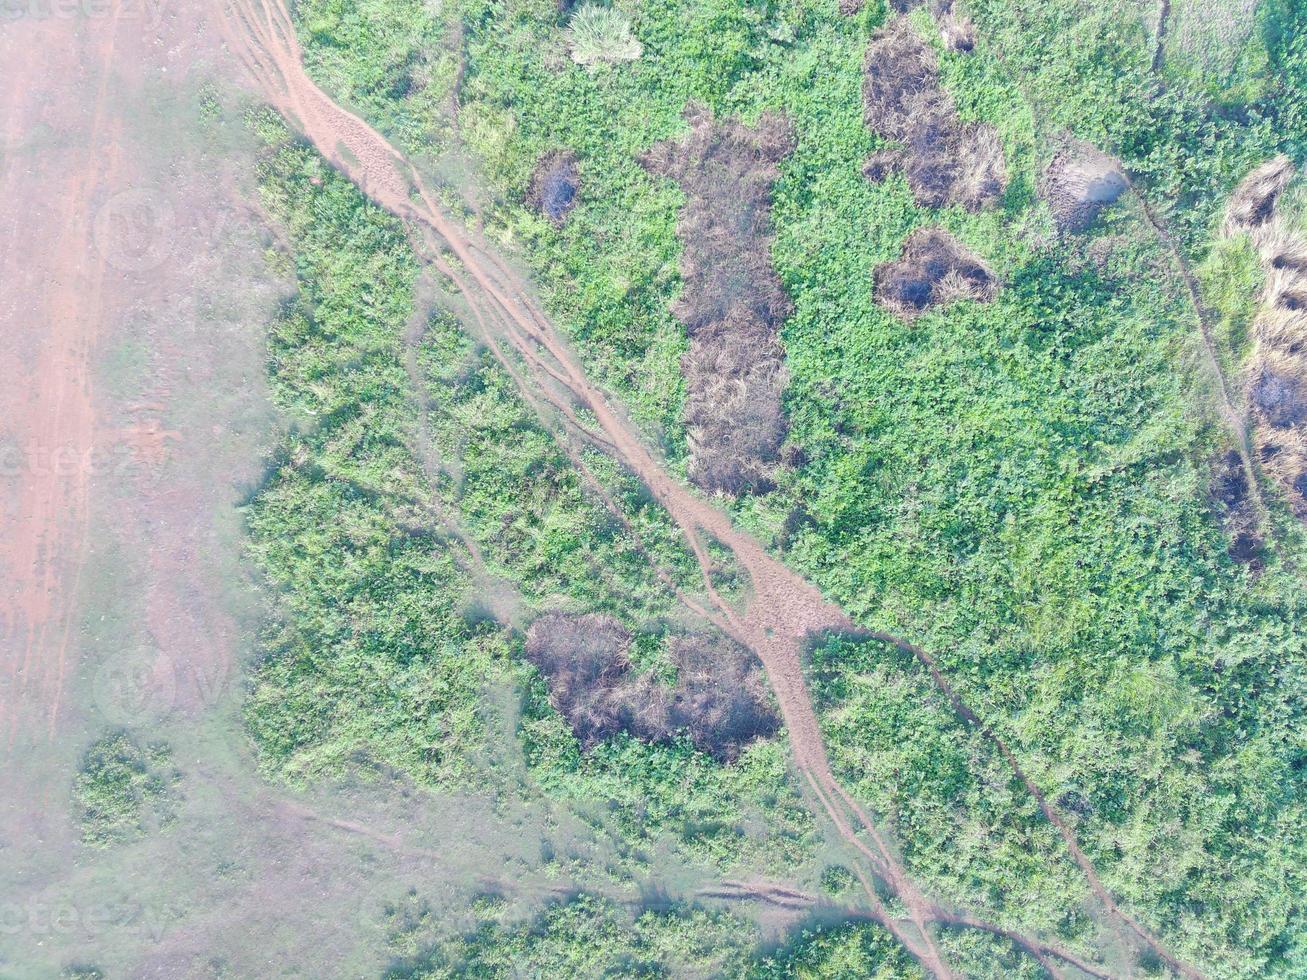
(720, 699)
(1079, 183)
(934, 269)
(945, 160)
(554, 186)
(732, 302)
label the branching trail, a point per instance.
(785, 610)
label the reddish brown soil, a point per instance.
(785, 611)
(55, 282)
(104, 233)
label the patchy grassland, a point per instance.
(1023, 487)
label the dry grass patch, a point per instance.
(732, 302)
(720, 698)
(1277, 368)
(945, 160)
(934, 269)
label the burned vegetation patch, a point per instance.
(945, 160)
(1079, 183)
(934, 269)
(720, 699)
(1276, 373)
(1230, 496)
(554, 186)
(732, 302)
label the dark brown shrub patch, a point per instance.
(720, 698)
(946, 161)
(1230, 497)
(933, 269)
(732, 301)
(554, 186)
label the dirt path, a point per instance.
(785, 611)
(1159, 35)
(55, 279)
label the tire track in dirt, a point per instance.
(51, 419)
(785, 612)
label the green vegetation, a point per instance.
(844, 953)
(124, 791)
(591, 936)
(383, 651)
(1020, 487)
(598, 34)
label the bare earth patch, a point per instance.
(1079, 183)
(733, 303)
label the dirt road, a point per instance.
(54, 282)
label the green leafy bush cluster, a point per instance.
(382, 651)
(590, 936)
(123, 790)
(373, 650)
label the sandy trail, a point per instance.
(785, 611)
(56, 277)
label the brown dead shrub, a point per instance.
(732, 301)
(554, 185)
(1230, 496)
(1252, 205)
(934, 269)
(584, 661)
(1276, 384)
(1079, 183)
(946, 161)
(720, 698)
